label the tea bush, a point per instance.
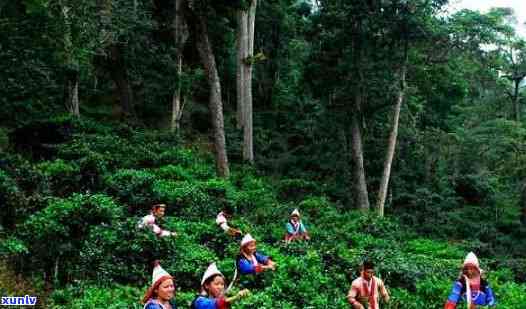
(133, 188)
(73, 222)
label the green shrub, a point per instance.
(517, 266)
(132, 187)
(435, 248)
(508, 293)
(12, 247)
(111, 147)
(121, 253)
(89, 126)
(315, 206)
(92, 297)
(186, 261)
(173, 172)
(476, 189)
(60, 177)
(184, 197)
(10, 194)
(195, 171)
(401, 298)
(93, 166)
(99, 251)
(178, 156)
(296, 189)
(55, 235)
(254, 197)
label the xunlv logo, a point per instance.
(19, 300)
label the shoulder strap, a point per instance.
(483, 285)
(462, 282)
(294, 228)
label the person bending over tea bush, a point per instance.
(212, 295)
(222, 220)
(151, 221)
(250, 261)
(295, 228)
(365, 290)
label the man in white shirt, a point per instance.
(222, 221)
(366, 290)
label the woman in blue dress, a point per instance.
(162, 291)
(471, 287)
(212, 294)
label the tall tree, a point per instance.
(196, 16)
(347, 55)
(71, 75)
(358, 42)
(72, 32)
(112, 53)
(406, 25)
(180, 30)
(512, 51)
(487, 44)
(522, 201)
(245, 54)
(242, 51)
(384, 182)
(515, 68)
(358, 63)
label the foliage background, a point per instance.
(72, 189)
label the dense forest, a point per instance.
(396, 127)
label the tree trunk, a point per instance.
(71, 73)
(523, 204)
(180, 37)
(114, 63)
(361, 197)
(346, 170)
(56, 279)
(248, 140)
(216, 106)
(177, 107)
(119, 74)
(71, 92)
(384, 183)
(516, 99)
(242, 54)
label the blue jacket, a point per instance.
(247, 267)
(153, 304)
(291, 231)
(484, 297)
(203, 302)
